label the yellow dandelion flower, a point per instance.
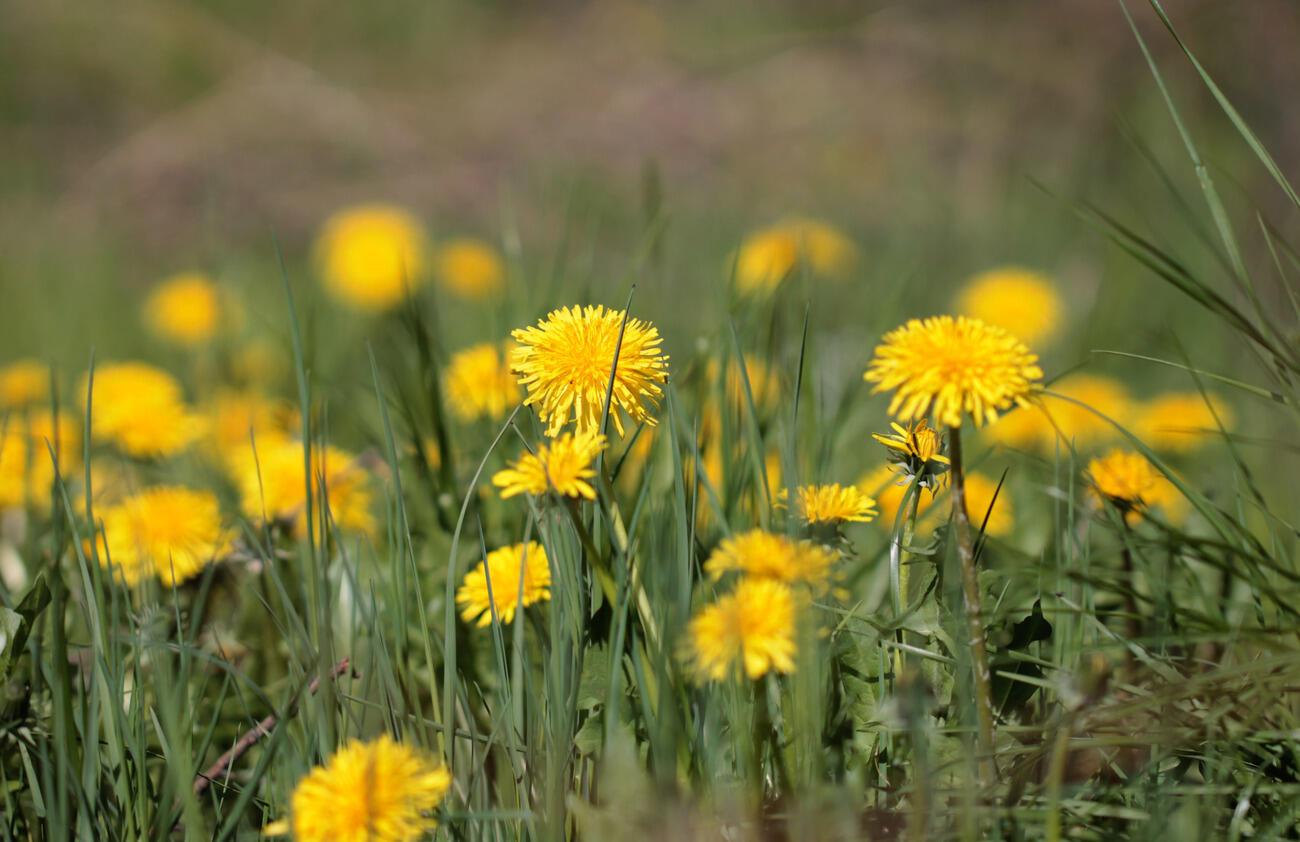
(273, 485)
(953, 366)
(26, 466)
(184, 309)
(380, 791)
(140, 410)
(834, 503)
(1125, 477)
(1039, 425)
(237, 420)
(980, 502)
(565, 360)
(370, 255)
(23, 383)
(1179, 422)
(752, 628)
(169, 532)
(564, 464)
(760, 554)
(770, 255)
(470, 268)
(918, 444)
(1018, 300)
(480, 384)
(520, 576)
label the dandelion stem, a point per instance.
(974, 613)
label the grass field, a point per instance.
(473, 422)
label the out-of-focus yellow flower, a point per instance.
(760, 554)
(1179, 422)
(140, 410)
(980, 490)
(371, 255)
(764, 382)
(381, 791)
(23, 383)
(951, 367)
(1013, 298)
(185, 309)
(564, 464)
(273, 486)
(512, 570)
(887, 488)
(768, 256)
(834, 503)
(237, 420)
(1133, 484)
(480, 383)
(26, 466)
(470, 268)
(1038, 426)
(752, 629)
(169, 532)
(565, 360)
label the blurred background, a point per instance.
(143, 138)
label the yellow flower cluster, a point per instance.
(480, 384)
(140, 410)
(168, 532)
(770, 255)
(29, 442)
(272, 486)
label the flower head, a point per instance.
(520, 576)
(140, 410)
(371, 255)
(1018, 300)
(834, 503)
(564, 465)
(26, 466)
(752, 628)
(480, 383)
(565, 360)
(273, 485)
(760, 554)
(240, 421)
(184, 309)
(23, 383)
(169, 532)
(1179, 422)
(380, 791)
(1050, 418)
(470, 268)
(770, 255)
(953, 366)
(1127, 479)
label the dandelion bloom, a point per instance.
(470, 268)
(380, 791)
(753, 627)
(238, 420)
(520, 576)
(760, 554)
(370, 255)
(770, 255)
(26, 466)
(563, 464)
(169, 532)
(140, 410)
(980, 504)
(184, 309)
(23, 383)
(950, 366)
(1179, 422)
(480, 384)
(565, 360)
(272, 485)
(1019, 300)
(1050, 418)
(834, 503)
(917, 445)
(1130, 481)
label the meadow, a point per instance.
(893, 503)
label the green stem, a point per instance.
(974, 614)
(900, 536)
